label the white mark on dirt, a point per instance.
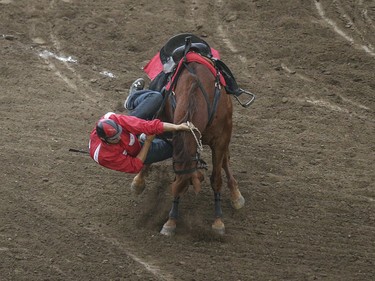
(58, 269)
(366, 17)
(7, 37)
(6, 1)
(57, 45)
(229, 44)
(303, 77)
(326, 104)
(108, 74)
(287, 69)
(332, 107)
(153, 269)
(350, 23)
(223, 34)
(52, 66)
(370, 199)
(341, 32)
(50, 58)
(47, 54)
(225, 38)
(68, 81)
(293, 72)
(38, 41)
(52, 2)
(354, 103)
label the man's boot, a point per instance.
(137, 85)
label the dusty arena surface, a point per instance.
(303, 153)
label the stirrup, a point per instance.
(245, 103)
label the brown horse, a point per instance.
(198, 98)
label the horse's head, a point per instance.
(191, 106)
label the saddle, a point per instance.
(176, 50)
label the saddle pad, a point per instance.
(155, 66)
(194, 57)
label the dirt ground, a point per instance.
(303, 153)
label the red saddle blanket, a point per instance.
(155, 66)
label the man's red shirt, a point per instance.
(122, 156)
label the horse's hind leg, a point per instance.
(236, 197)
(139, 183)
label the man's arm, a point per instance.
(169, 127)
(145, 148)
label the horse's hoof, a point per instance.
(137, 189)
(168, 230)
(238, 203)
(220, 229)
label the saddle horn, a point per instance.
(187, 46)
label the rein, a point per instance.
(200, 163)
(197, 140)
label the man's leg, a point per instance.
(159, 151)
(147, 104)
(137, 86)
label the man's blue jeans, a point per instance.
(159, 151)
(145, 104)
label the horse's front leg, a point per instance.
(139, 183)
(178, 186)
(170, 226)
(216, 184)
(218, 225)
